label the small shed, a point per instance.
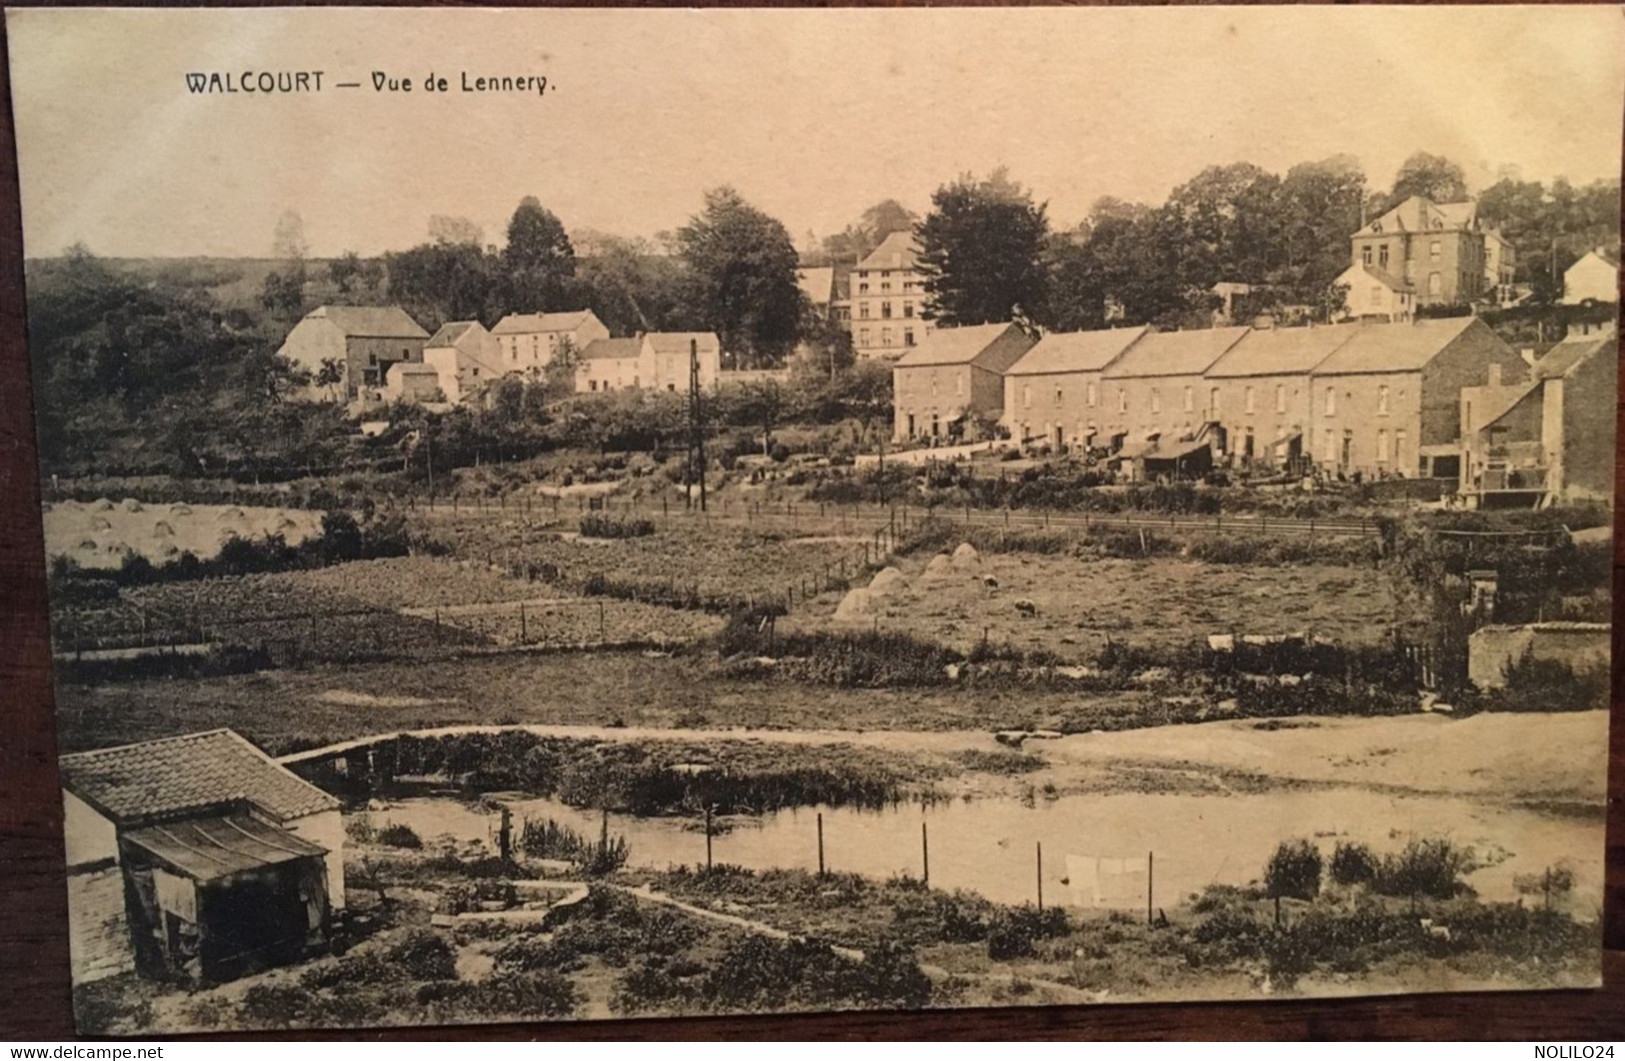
(196, 857)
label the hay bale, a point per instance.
(162, 529)
(168, 551)
(940, 565)
(181, 508)
(230, 512)
(887, 580)
(858, 605)
(966, 555)
(100, 523)
(87, 546)
(101, 504)
(130, 504)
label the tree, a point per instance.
(288, 239)
(1430, 176)
(633, 287)
(872, 227)
(981, 250)
(539, 260)
(345, 271)
(440, 282)
(1293, 871)
(446, 229)
(283, 294)
(743, 267)
(329, 376)
(1320, 206)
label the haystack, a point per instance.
(102, 505)
(100, 523)
(887, 580)
(857, 606)
(966, 555)
(940, 565)
(181, 508)
(132, 505)
(231, 512)
(161, 529)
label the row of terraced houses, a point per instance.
(1442, 398)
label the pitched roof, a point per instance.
(371, 322)
(1399, 347)
(1561, 359)
(138, 782)
(221, 845)
(1076, 351)
(525, 323)
(1420, 214)
(1188, 353)
(448, 334)
(1607, 254)
(817, 283)
(897, 251)
(1382, 276)
(992, 346)
(607, 349)
(1495, 402)
(677, 342)
(1282, 351)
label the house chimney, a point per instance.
(1495, 374)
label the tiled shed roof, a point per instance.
(139, 782)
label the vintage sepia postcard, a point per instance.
(575, 514)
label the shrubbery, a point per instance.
(600, 525)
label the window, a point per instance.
(592, 384)
(1435, 249)
(1248, 398)
(908, 336)
(1057, 396)
(885, 337)
(863, 310)
(476, 373)
(1399, 450)
(1156, 401)
(885, 287)
(1382, 445)
(1122, 400)
(1213, 402)
(863, 289)
(1382, 401)
(885, 311)
(1331, 402)
(1382, 256)
(1376, 295)
(1280, 398)
(1365, 255)
(1090, 397)
(959, 385)
(863, 336)
(908, 309)
(885, 274)
(671, 387)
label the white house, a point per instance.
(653, 361)
(1594, 278)
(1372, 292)
(465, 356)
(195, 856)
(529, 340)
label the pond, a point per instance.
(990, 846)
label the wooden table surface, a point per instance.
(37, 1002)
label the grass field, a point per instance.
(102, 533)
(1078, 604)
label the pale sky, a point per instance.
(812, 115)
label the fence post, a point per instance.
(602, 635)
(820, 843)
(925, 855)
(708, 838)
(1040, 876)
(1150, 877)
(524, 632)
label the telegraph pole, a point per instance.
(696, 431)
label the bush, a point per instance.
(1293, 871)
(599, 525)
(1430, 868)
(423, 955)
(399, 835)
(1352, 864)
(1014, 931)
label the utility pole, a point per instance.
(696, 430)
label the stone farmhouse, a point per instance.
(366, 342)
(196, 857)
(1538, 440)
